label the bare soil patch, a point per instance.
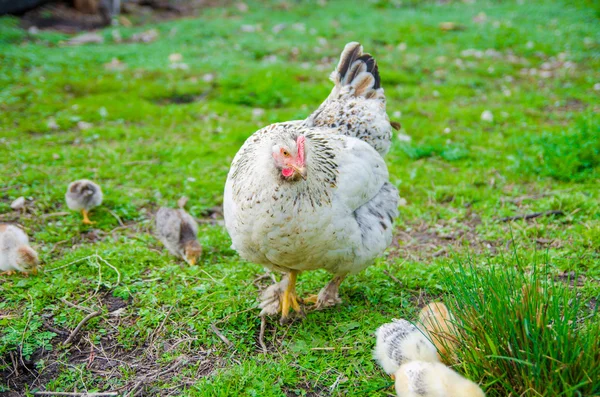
(110, 360)
(61, 16)
(422, 241)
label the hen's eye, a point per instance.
(285, 153)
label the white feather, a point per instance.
(400, 342)
(11, 239)
(426, 379)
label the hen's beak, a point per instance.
(300, 170)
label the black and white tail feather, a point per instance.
(358, 71)
(356, 105)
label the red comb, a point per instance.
(300, 144)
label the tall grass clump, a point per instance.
(524, 334)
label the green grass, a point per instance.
(527, 334)
(157, 133)
(567, 156)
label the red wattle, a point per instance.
(287, 172)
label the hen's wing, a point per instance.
(356, 105)
(371, 200)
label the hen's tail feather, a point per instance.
(351, 52)
(357, 70)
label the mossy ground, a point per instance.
(150, 132)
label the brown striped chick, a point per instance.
(431, 379)
(15, 252)
(83, 195)
(439, 324)
(177, 230)
(400, 342)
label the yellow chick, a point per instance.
(439, 324)
(177, 230)
(83, 195)
(400, 342)
(428, 379)
(15, 252)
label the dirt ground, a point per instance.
(61, 16)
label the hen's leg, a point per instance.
(290, 298)
(329, 295)
(8, 273)
(86, 220)
(281, 297)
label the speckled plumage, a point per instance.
(83, 195)
(177, 230)
(427, 379)
(400, 342)
(356, 105)
(341, 217)
(15, 251)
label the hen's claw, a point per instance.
(328, 296)
(270, 299)
(281, 297)
(312, 299)
(289, 300)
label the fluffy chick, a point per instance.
(400, 342)
(437, 322)
(177, 230)
(428, 379)
(83, 195)
(15, 252)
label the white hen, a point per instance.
(314, 194)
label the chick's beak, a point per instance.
(191, 261)
(300, 170)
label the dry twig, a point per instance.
(61, 393)
(532, 215)
(162, 323)
(54, 214)
(117, 217)
(220, 335)
(154, 375)
(80, 325)
(66, 302)
(390, 275)
(261, 335)
(332, 348)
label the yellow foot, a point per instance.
(312, 299)
(393, 376)
(328, 296)
(8, 273)
(86, 220)
(289, 299)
